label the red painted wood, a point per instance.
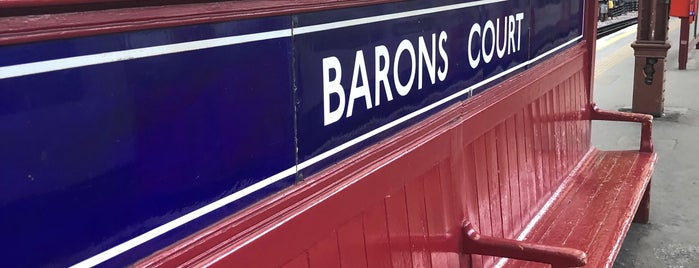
(301, 261)
(462, 178)
(620, 215)
(569, 149)
(645, 120)
(525, 167)
(43, 3)
(579, 199)
(378, 250)
(643, 212)
(351, 244)
(499, 200)
(129, 15)
(596, 208)
(550, 148)
(494, 189)
(557, 256)
(470, 198)
(507, 161)
(398, 229)
(541, 158)
(485, 205)
(561, 134)
(325, 253)
(581, 126)
(439, 195)
(417, 219)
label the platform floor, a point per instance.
(672, 237)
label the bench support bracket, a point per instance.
(474, 243)
(645, 120)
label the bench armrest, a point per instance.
(645, 120)
(474, 243)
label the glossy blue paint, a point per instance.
(96, 155)
(316, 138)
(556, 22)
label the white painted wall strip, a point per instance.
(134, 242)
(124, 55)
(380, 18)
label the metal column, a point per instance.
(650, 50)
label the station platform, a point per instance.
(672, 237)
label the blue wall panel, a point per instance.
(96, 155)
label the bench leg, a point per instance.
(643, 212)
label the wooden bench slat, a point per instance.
(594, 211)
(621, 214)
(585, 201)
(565, 193)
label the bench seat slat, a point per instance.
(595, 207)
(621, 213)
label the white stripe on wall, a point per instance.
(124, 55)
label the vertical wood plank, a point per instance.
(453, 220)
(438, 216)
(350, 238)
(558, 134)
(417, 219)
(540, 157)
(496, 212)
(398, 232)
(512, 165)
(550, 151)
(510, 215)
(484, 204)
(470, 201)
(579, 123)
(572, 121)
(569, 149)
(378, 250)
(325, 253)
(525, 167)
(468, 185)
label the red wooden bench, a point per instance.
(586, 219)
(508, 173)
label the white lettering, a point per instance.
(442, 72)
(511, 35)
(404, 89)
(501, 50)
(519, 17)
(487, 56)
(359, 91)
(381, 74)
(428, 59)
(476, 28)
(332, 87)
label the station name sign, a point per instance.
(427, 58)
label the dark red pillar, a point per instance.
(684, 43)
(650, 50)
